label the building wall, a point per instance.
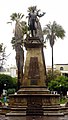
(63, 68)
(60, 66)
(12, 71)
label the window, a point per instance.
(61, 68)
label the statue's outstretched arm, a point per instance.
(40, 15)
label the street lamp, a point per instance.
(60, 90)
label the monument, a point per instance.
(33, 100)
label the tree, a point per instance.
(1, 47)
(56, 74)
(2, 55)
(17, 42)
(9, 81)
(52, 32)
(59, 84)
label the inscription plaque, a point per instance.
(33, 73)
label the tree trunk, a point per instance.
(18, 66)
(18, 74)
(43, 60)
(52, 61)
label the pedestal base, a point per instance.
(34, 100)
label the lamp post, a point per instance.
(60, 90)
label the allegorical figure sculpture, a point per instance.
(33, 20)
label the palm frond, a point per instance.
(53, 31)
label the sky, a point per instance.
(56, 10)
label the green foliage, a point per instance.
(1, 47)
(56, 73)
(11, 91)
(13, 42)
(9, 81)
(53, 31)
(14, 83)
(59, 84)
(16, 16)
(21, 29)
(63, 100)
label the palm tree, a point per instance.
(17, 42)
(52, 32)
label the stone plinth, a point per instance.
(33, 90)
(33, 98)
(34, 70)
(45, 100)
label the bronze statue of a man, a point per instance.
(33, 20)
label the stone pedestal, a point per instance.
(34, 70)
(34, 98)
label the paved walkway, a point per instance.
(2, 117)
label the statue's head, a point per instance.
(32, 9)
